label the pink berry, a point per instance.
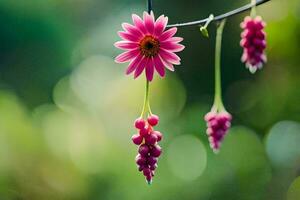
(144, 150)
(153, 120)
(144, 131)
(155, 151)
(142, 167)
(158, 135)
(140, 160)
(151, 139)
(153, 167)
(139, 123)
(151, 160)
(146, 171)
(137, 139)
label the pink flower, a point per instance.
(148, 46)
(254, 43)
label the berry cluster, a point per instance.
(148, 151)
(254, 43)
(218, 125)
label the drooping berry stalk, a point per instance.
(218, 119)
(253, 41)
(147, 140)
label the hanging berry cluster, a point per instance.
(150, 47)
(148, 151)
(217, 127)
(254, 43)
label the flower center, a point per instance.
(149, 46)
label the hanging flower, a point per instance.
(254, 43)
(218, 119)
(218, 124)
(149, 46)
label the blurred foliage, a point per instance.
(67, 109)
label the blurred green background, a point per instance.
(67, 110)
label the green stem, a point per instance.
(253, 9)
(218, 104)
(146, 106)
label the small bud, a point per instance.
(204, 31)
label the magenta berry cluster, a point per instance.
(148, 151)
(218, 125)
(254, 43)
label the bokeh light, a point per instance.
(187, 157)
(294, 190)
(282, 144)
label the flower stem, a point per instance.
(149, 5)
(146, 106)
(253, 9)
(222, 16)
(218, 104)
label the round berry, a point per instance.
(158, 135)
(155, 151)
(146, 171)
(139, 123)
(151, 139)
(142, 167)
(153, 167)
(144, 150)
(140, 160)
(152, 160)
(153, 120)
(144, 131)
(137, 139)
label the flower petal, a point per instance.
(127, 56)
(169, 57)
(128, 36)
(133, 64)
(169, 66)
(149, 22)
(150, 69)
(168, 34)
(175, 39)
(159, 66)
(140, 67)
(160, 25)
(132, 30)
(138, 22)
(171, 46)
(126, 45)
